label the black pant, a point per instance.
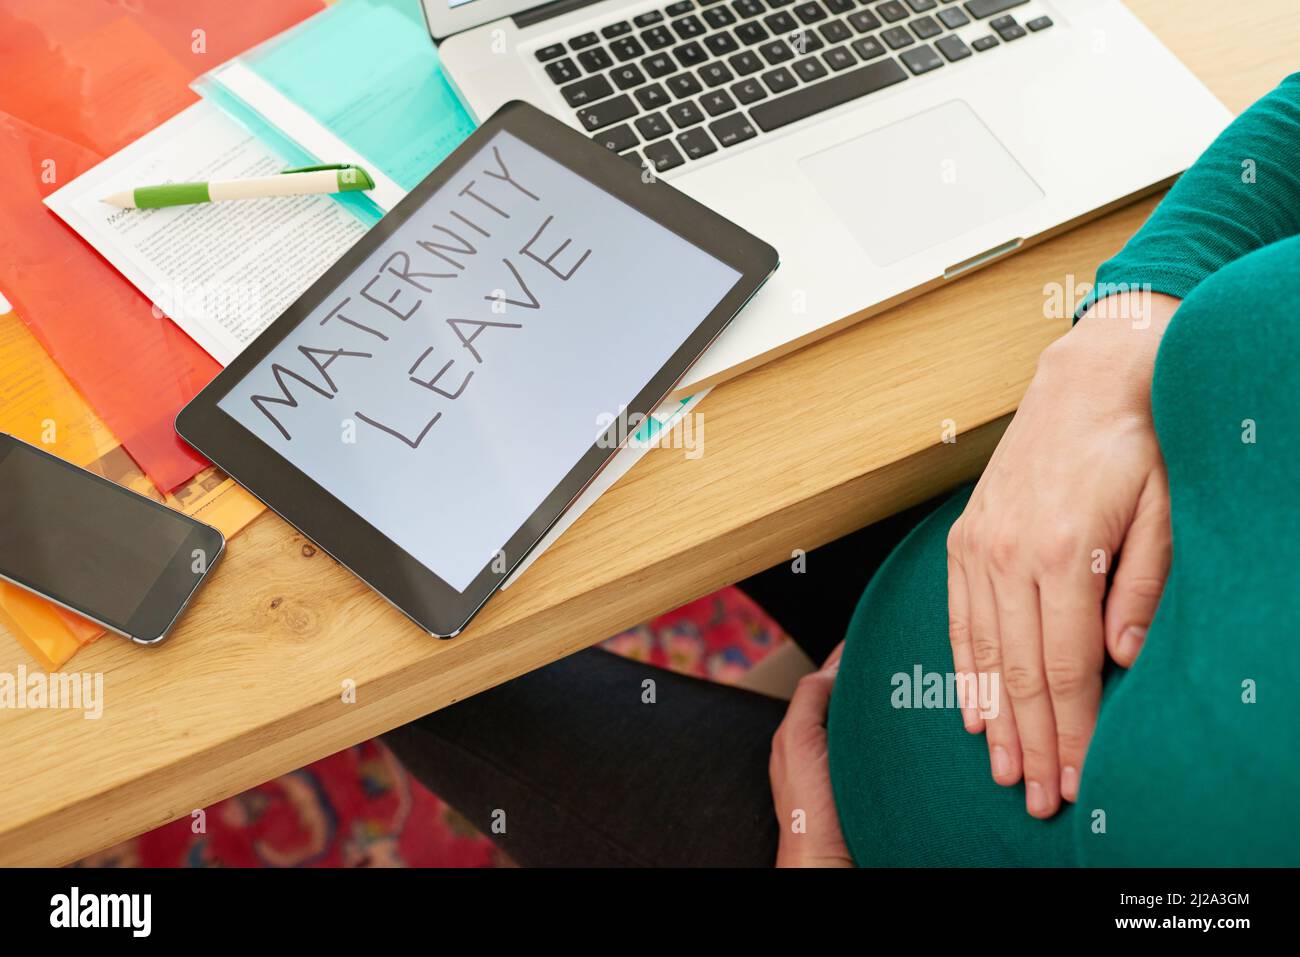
(598, 760)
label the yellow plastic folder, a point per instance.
(39, 405)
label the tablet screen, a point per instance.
(447, 386)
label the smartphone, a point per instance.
(120, 559)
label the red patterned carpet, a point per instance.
(359, 808)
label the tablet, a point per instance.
(436, 400)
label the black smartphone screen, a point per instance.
(119, 558)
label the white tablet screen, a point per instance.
(446, 387)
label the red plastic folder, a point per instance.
(79, 80)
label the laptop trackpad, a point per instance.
(920, 182)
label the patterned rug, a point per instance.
(359, 808)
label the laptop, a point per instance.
(885, 147)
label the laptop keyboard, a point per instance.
(681, 83)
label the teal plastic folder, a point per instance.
(367, 71)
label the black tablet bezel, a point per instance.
(409, 585)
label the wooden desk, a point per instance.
(797, 453)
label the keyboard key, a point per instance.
(1039, 23)
(751, 33)
(677, 9)
(746, 63)
(720, 44)
(979, 9)
(688, 27)
(839, 6)
(810, 69)
(715, 74)
(627, 48)
(841, 88)
(684, 84)
(656, 38)
(776, 4)
(839, 58)
(892, 11)
(633, 157)
(864, 21)
(921, 60)
(595, 60)
(953, 17)
(733, 129)
(583, 41)
(778, 81)
(562, 71)
(748, 8)
(652, 97)
(1013, 32)
(868, 47)
(926, 27)
(717, 102)
(719, 17)
(616, 139)
(985, 43)
(627, 76)
(953, 48)
(810, 12)
(835, 31)
(690, 54)
(749, 91)
(584, 91)
(805, 41)
(648, 19)
(616, 30)
(696, 143)
(658, 65)
(897, 38)
(778, 51)
(780, 23)
(1001, 23)
(550, 52)
(920, 6)
(652, 126)
(610, 111)
(663, 156)
(684, 114)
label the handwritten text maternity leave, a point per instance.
(358, 326)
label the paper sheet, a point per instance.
(221, 271)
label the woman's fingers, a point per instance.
(1073, 656)
(811, 700)
(1026, 683)
(963, 656)
(1141, 573)
(999, 728)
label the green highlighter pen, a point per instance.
(338, 178)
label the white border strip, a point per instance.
(304, 129)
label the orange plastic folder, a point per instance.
(80, 81)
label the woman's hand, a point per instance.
(801, 777)
(1076, 489)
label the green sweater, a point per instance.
(1196, 756)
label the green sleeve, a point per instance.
(1241, 195)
